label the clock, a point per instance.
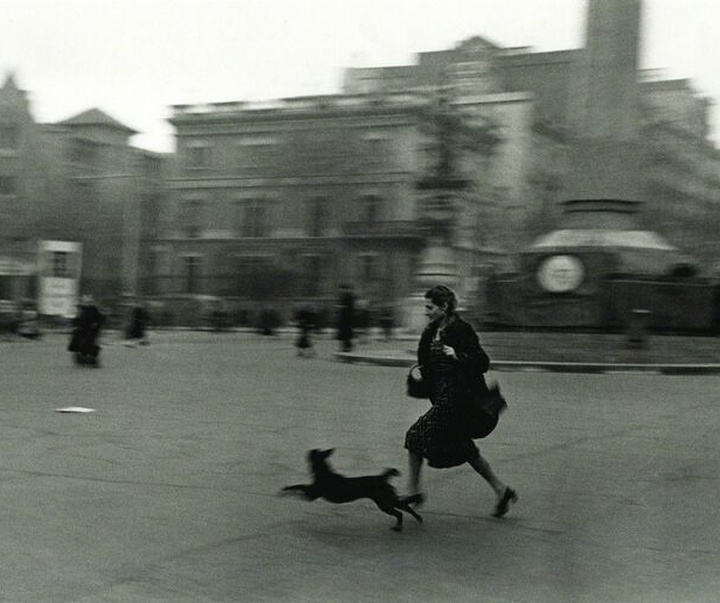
(561, 273)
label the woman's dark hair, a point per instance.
(441, 295)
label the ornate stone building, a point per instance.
(290, 199)
(515, 90)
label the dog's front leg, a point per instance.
(306, 491)
(386, 506)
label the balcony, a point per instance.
(386, 229)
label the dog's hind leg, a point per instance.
(406, 507)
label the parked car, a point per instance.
(8, 317)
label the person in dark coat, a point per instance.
(87, 325)
(137, 329)
(306, 320)
(346, 318)
(453, 364)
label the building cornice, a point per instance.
(234, 182)
(300, 108)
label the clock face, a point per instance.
(561, 273)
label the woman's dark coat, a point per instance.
(87, 325)
(473, 362)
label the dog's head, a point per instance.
(317, 458)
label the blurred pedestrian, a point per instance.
(137, 328)
(306, 320)
(387, 320)
(452, 363)
(219, 316)
(268, 322)
(363, 320)
(346, 318)
(87, 325)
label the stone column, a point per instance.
(437, 266)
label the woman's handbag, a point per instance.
(417, 387)
(484, 412)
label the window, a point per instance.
(85, 153)
(192, 217)
(378, 149)
(9, 137)
(254, 218)
(60, 264)
(312, 275)
(256, 276)
(256, 154)
(198, 156)
(369, 268)
(150, 214)
(377, 143)
(191, 273)
(152, 167)
(160, 261)
(371, 210)
(8, 185)
(318, 214)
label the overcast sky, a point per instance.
(135, 58)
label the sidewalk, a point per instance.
(567, 352)
(515, 350)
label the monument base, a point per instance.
(414, 319)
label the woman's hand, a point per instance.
(450, 351)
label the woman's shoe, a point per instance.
(503, 504)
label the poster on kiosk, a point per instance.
(60, 264)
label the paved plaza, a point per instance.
(168, 491)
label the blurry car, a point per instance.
(28, 324)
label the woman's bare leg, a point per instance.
(505, 495)
(483, 468)
(415, 462)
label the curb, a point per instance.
(554, 367)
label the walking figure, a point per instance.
(346, 318)
(137, 329)
(87, 325)
(307, 323)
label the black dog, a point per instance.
(339, 489)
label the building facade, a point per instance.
(25, 188)
(76, 180)
(513, 89)
(286, 201)
(547, 105)
(683, 182)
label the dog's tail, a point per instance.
(388, 473)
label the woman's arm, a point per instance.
(469, 352)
